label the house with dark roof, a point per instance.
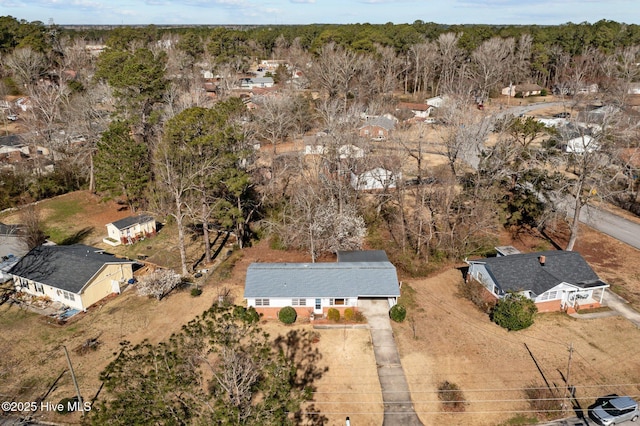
(313, 288)
(76, 276)
(554, 280)
(130, 229)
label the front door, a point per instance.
(317, 309)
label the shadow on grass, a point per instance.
(298, 345)
(77, 237)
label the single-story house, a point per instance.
(437, 101)
(525, 89)
(313, 288)
(130, 229)
(581, 144)
(374, 179)
(251, 83)
(418, 110)
(76, 276)
(377, 128)
(554, 280)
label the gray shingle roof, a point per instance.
(363, 256)
(344, 279)
(524, 271)
(131, 220)
(9, 230)
(65, 267)
(383, 122)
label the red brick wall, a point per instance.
(550, 306)
(303, 311)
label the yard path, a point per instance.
(398, 408)
(618, 306)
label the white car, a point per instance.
(615, 411)
(12, 117)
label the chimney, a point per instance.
(542, 260)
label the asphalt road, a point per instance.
(615, 226)
(608, 223)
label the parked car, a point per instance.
(615, 410)
(12, 117)
(562, 115)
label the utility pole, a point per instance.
(73, 377)
(568, 383)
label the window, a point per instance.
(298, 302)
(318, 304)
(39, 287)
(262, 302)
(68, 296)
(338, 302)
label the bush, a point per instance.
(514, 312)
(249, 315)
(349, 314)
(333, 314)
(398, 313)
(451, 396)
(544, 92)
(480, 296)
(195, 292)
(287, 315)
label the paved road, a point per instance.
(613, 225)
(608, 223)
(398, 409)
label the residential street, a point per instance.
(615, 226)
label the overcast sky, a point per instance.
(131, 12)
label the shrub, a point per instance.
(480, 296)
(349, 314)
(514, 312)
(249, 315)
(451, 397)
(195, 292)
(544, 92)
(398, 313)
(287, 315)
(333, 314)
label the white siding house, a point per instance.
(313, 288)
(554, 280)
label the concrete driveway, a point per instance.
(398, 408)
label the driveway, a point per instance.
(398, 408)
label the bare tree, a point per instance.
(31, 227)
(26, 64)
(274, 119)
(158, 283)
(449, 64)
(422, 58)
(489, 64)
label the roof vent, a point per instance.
(542, 260)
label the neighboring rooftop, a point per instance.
(384, 122)
(9, 230)
(66, 267)
(342, 279)
(363, 256)
(130, 221)
(507, 250)
(540, 271)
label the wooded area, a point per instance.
(163, 119)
